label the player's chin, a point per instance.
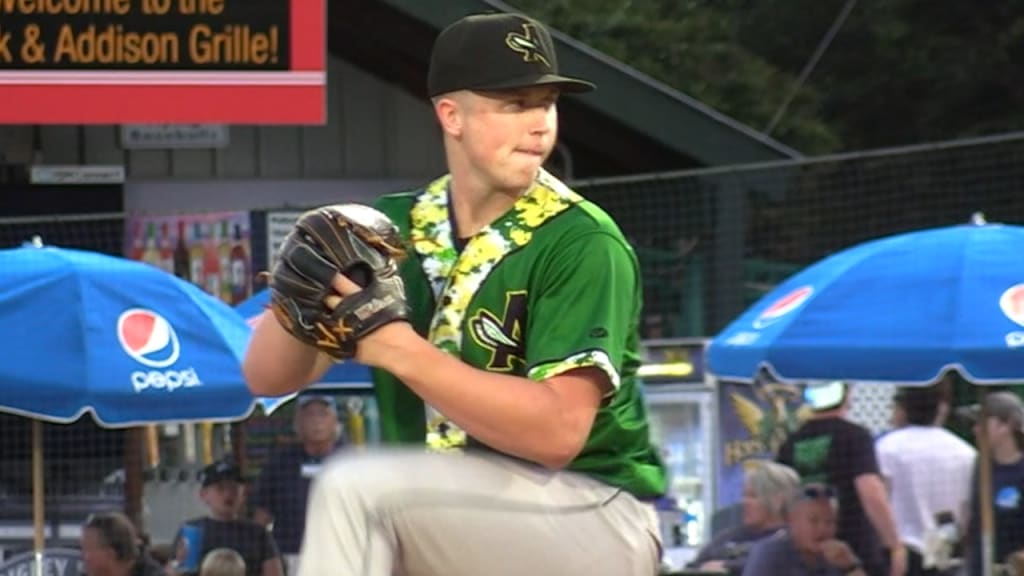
(515, 181)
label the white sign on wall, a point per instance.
(279, 225)
(177, 136)
(74, 174)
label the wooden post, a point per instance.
(133, 468)
(985, 488)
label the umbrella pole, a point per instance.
(38, 517)
(985, 488)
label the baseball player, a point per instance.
(504, 346)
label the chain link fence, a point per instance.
(712, 241)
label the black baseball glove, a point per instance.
(351, 239)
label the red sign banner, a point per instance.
(162, 61)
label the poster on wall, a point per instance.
(279, 225)
(213, 250)
(163, 61)
(753, 422)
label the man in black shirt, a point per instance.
(832, 450)
(223, 491)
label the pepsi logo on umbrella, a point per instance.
(148, 338)
(1012, 303)
(783, 306)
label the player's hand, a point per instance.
(838, 554)
(344, 287)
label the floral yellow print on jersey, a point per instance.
(455, 278)
(596, 358)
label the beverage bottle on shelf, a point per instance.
(181, 264)
(241, 286)
(166, 251)
(211, 262)
(150, 254)
(224, 256)
(195, 253)
(136, 242)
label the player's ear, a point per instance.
(447, 107)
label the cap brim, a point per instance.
(969, 413)
(563, 83)
(824, 396)
(211, 481)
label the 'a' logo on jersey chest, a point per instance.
(502, 335)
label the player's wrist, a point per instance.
(393, 347)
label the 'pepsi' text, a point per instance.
(167, 380)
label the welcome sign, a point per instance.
(162, 61)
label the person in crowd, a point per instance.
(808, 546)
(223, 492)
(830, 449)
(111, 547)
(279, 499)
(766, 488)
(1003, 429)
(928, 471)
(222, 562)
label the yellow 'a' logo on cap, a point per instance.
(526, 45)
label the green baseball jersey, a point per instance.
(549, 287)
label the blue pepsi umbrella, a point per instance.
(902, 309)
(348, 374)
(85, 332)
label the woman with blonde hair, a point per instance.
(766, 487)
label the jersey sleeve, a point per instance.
(584, 311)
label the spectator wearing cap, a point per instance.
(1004, 429)
(928, 471)
(829, 449)
(808, 546)
(223, 492)
(279, 499)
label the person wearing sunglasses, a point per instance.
(831, 449)
(808, 546)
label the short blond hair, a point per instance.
(222, 562)
(772, 483)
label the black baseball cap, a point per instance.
(225, 469)
(496, 52)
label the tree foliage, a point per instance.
(898, 72)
